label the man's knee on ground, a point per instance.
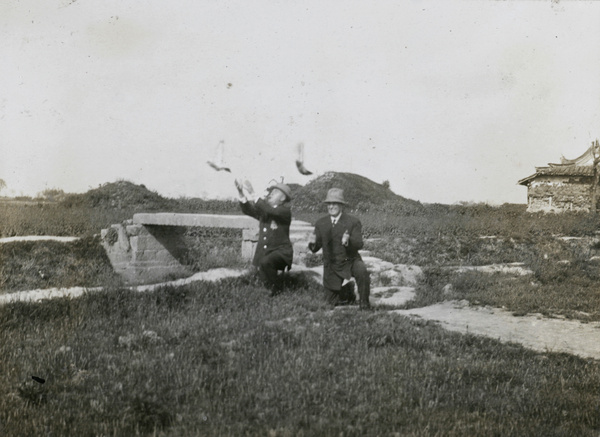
(264, 263)
(268, 264)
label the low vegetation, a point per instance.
(87, 213)
(210, 248)
(226, 359)
(29, 265)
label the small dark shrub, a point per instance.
(32, 393)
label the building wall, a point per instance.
(559, 193)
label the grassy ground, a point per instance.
(576, 298)
(565, 271)
(78, 219)
(29, 265)
(226, 359)
(55, 219)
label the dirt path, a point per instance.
(532, 331)
(38, 238)
(51, 293)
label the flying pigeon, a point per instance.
(218, 168)
(217, 164)
(300, 161)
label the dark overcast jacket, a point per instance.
(337, 259)
(274, 230)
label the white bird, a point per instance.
(217, 164)
(300, 161)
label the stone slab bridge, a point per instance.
(149, 247)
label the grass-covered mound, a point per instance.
(119, 195)
(361, 193)
(125, 195)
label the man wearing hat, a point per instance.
(340, 236)
(274, 251)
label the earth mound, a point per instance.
(119, 195)
(361, 193)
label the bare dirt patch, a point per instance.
(38, 238)
(73, 292)
(532, 331)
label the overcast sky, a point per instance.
(449, 101)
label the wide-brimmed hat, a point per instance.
(283, 188)
(335, 195)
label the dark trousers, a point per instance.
(268, 267)
(346, 294)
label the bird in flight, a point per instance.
(300, 161)
(217, 163)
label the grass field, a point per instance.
(226, 359)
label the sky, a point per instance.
(449, 101)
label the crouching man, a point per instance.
(340, 236)
(274, 251)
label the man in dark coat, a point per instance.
(274, 251)
(340, 236)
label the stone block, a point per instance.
(142, 243)
(250, 235)
(248, 249)
(390, 278)
(375, 265)
(134, 230)
(151, 245)
(195, 220)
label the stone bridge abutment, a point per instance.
(150, 247)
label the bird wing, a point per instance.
(303, 170)
(218, 163)
(217, 167)
(300, 160)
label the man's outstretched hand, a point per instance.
(239, 187)
(248, 187)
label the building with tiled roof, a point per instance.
(566, 186)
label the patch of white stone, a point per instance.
(73, 292)
(38, 238)
(391, 284)
(516, 268)
(533, 331)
